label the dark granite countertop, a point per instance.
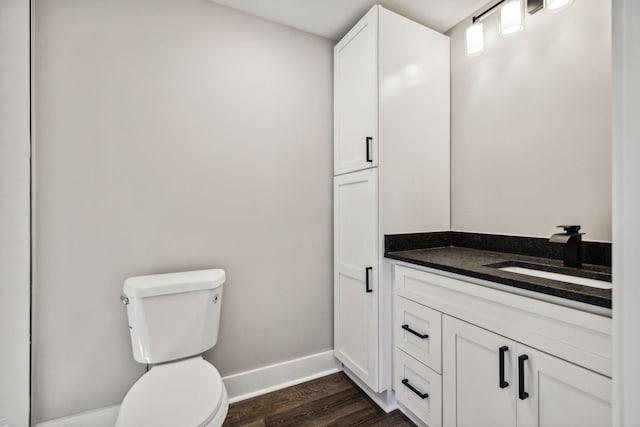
(474, 263)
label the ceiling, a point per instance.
(333, 18)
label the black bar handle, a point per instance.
(369, 140)
(521, 393)
(418, 334)
(503, 350)
(366, 274)
(413, 389)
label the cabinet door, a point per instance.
(355, 97)
(355, 273)
(478, 390)
(558, 393)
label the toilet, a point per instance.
(173, 319)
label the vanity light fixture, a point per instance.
(511, 17)
(511, 20)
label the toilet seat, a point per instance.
(187, 393)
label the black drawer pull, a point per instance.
(367, 284)
(418, 334)
(503, 350)
(521, 393)
(413, 389)
(369, 140)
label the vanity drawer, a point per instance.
(418, 332)
(418, 388)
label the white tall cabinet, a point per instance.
(391, 167)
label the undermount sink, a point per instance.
(600, 284)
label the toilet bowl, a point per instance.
(185, 393)
(173, 319)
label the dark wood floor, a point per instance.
(333, 400)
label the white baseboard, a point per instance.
(275, 377)
(241, 386)
(103, 417)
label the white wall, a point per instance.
(626, 212)
(14, 212)
(176, 135)
(531, 125)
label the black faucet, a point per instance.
(572, 240)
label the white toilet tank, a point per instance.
(175, 315)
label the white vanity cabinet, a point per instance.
(494, 381)
(507, 360)
(391, 175)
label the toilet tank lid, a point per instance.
(172, 283)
